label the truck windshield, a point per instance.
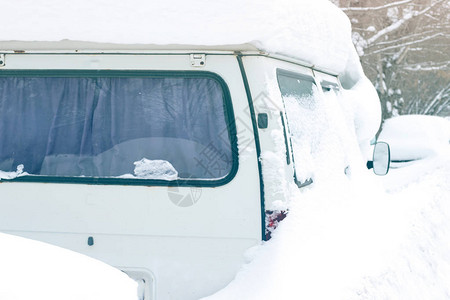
(167, 126)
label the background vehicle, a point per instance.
(415, 137)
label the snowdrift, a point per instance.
(35, 270)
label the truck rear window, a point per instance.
(166, 126)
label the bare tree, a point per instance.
(404, 47)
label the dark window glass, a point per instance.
(329, 86)
(170, 127)
(299, 87)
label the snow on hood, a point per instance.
(416, 136)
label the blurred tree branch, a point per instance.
(404, 49)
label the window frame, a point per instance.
(85, 73)
(328, 86)
(294, 75)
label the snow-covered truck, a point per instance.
(170, 161)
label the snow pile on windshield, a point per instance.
(416, 136)
(12, 175)
(153, 169)
(35, 270)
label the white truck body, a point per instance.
(182, 238)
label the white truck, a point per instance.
(167, 163)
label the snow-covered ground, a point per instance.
(419, 268)
(359, 237)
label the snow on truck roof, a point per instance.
(314, 31)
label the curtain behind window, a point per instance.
(100, 126)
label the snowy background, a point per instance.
(403, 46)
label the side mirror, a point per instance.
(381, 158)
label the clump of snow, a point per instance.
(366, 108)
(155, 169)
(392, 14)
(366, 113)
(359, 42)
(414, 137)
(279, 191)
(35, 270)
(305, 131)
(12, 175)
(271, 162)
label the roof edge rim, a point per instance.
(73, 45)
